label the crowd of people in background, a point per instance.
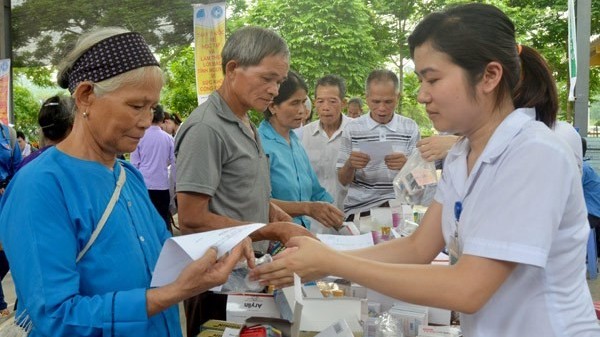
(114, 167)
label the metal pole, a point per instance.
(582, 86)
(5, 29)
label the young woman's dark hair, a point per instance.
(56, 117)
(292, 83)
(474, 35)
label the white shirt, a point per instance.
(299, 130)
(322, 152)
(372, 185)
(523, 202)
(568, 134)
(26, 150)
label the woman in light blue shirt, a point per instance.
(294, 184)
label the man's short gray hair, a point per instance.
(248, 46)
(382, 75)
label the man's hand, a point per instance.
(436, 147)
(276, 214)
(395, 161)
(284, 231)
(358, 160)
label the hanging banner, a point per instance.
(572, 50)
(4, 90)
(209, 39)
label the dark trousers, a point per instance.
(201, 308)
(3, 272)
(161, 200)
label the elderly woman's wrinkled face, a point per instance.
(119, 119)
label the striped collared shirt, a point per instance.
(372, 185)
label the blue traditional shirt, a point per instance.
(292, 176)
(10, 155)
(104, 294)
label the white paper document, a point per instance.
(178, 252)
(376, 150)
(347, 242)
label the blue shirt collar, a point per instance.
(267, 130)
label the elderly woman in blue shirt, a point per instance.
(294, 185)
(67, 282)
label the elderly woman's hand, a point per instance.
(325, 213)
(199, 276)
(208, 272)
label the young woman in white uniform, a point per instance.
(509, 207)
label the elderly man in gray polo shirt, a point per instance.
(222, 171)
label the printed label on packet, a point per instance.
(423, 176)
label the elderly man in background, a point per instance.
(322, 138)
(355, 107)
(370, 181)
(222, 170)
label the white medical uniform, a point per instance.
(523, 202)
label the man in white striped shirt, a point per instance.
(370, 179)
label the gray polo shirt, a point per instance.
(218, 156)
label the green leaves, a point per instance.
(179, 92)
(332, 37)
(48, 26)
(26, 111)
(344, 37)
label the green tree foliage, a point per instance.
(51, 26)
(411, 108)
(542, 24)
(345, 37)
(40, 76)
(395, 21)
(331, 37)
(179, 92)
(26, 110)
(595, 111)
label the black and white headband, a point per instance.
(111, 57)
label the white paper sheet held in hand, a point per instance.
(178, 252)
(376, 150)
(347, 242)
